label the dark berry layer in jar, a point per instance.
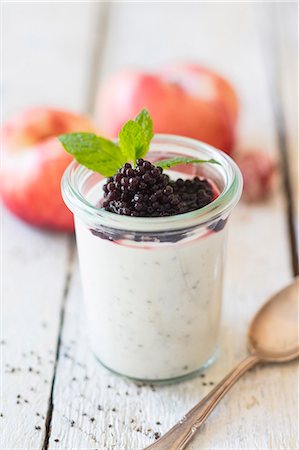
(145, 191)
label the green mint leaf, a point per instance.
(166, 163)
(146, 123)
(131, 140)
(94, 152)
(135, 136)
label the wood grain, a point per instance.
(46, 51)
(95, 409)
(278, 25)
(33, 274)
(287, 67)
(47, 55)
(287, 48)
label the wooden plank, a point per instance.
(34, 272)
(45, 62)
(287, 80)
(47, 54)
(287, 42)
(278, 24)
(85, 396)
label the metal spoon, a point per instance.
(273, 337)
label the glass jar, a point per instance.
(152, 286)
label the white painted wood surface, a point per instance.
(287, 47)
(92, 408)
(288, 58)
(33, 276)
(41, 47)
(47, 54)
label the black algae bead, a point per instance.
(134, 182)
(155, 172)
(141, 170)
(130, 172)
(146, 177)
(111, 196)
(138, 197)
(118, 176)
(138, 206)
(147, 165)
(147, 192)
(168, 190)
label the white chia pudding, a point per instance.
(153, 308)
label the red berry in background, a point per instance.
(258, 169)
(33, 162)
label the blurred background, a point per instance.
(57, 54)
(235, 84)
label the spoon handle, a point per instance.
(180, 434)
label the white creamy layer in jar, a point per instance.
(153, 308)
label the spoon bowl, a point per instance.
(273, 334)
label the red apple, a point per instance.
(185, 100)
(204, 84)
(33, 163)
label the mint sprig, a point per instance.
(135, 136)
(166, 163)
(144, 120)
(106, 157)
(94, 152)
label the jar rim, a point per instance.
(221, 206)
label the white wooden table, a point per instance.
(54, 394)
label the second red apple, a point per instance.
(186, 100)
